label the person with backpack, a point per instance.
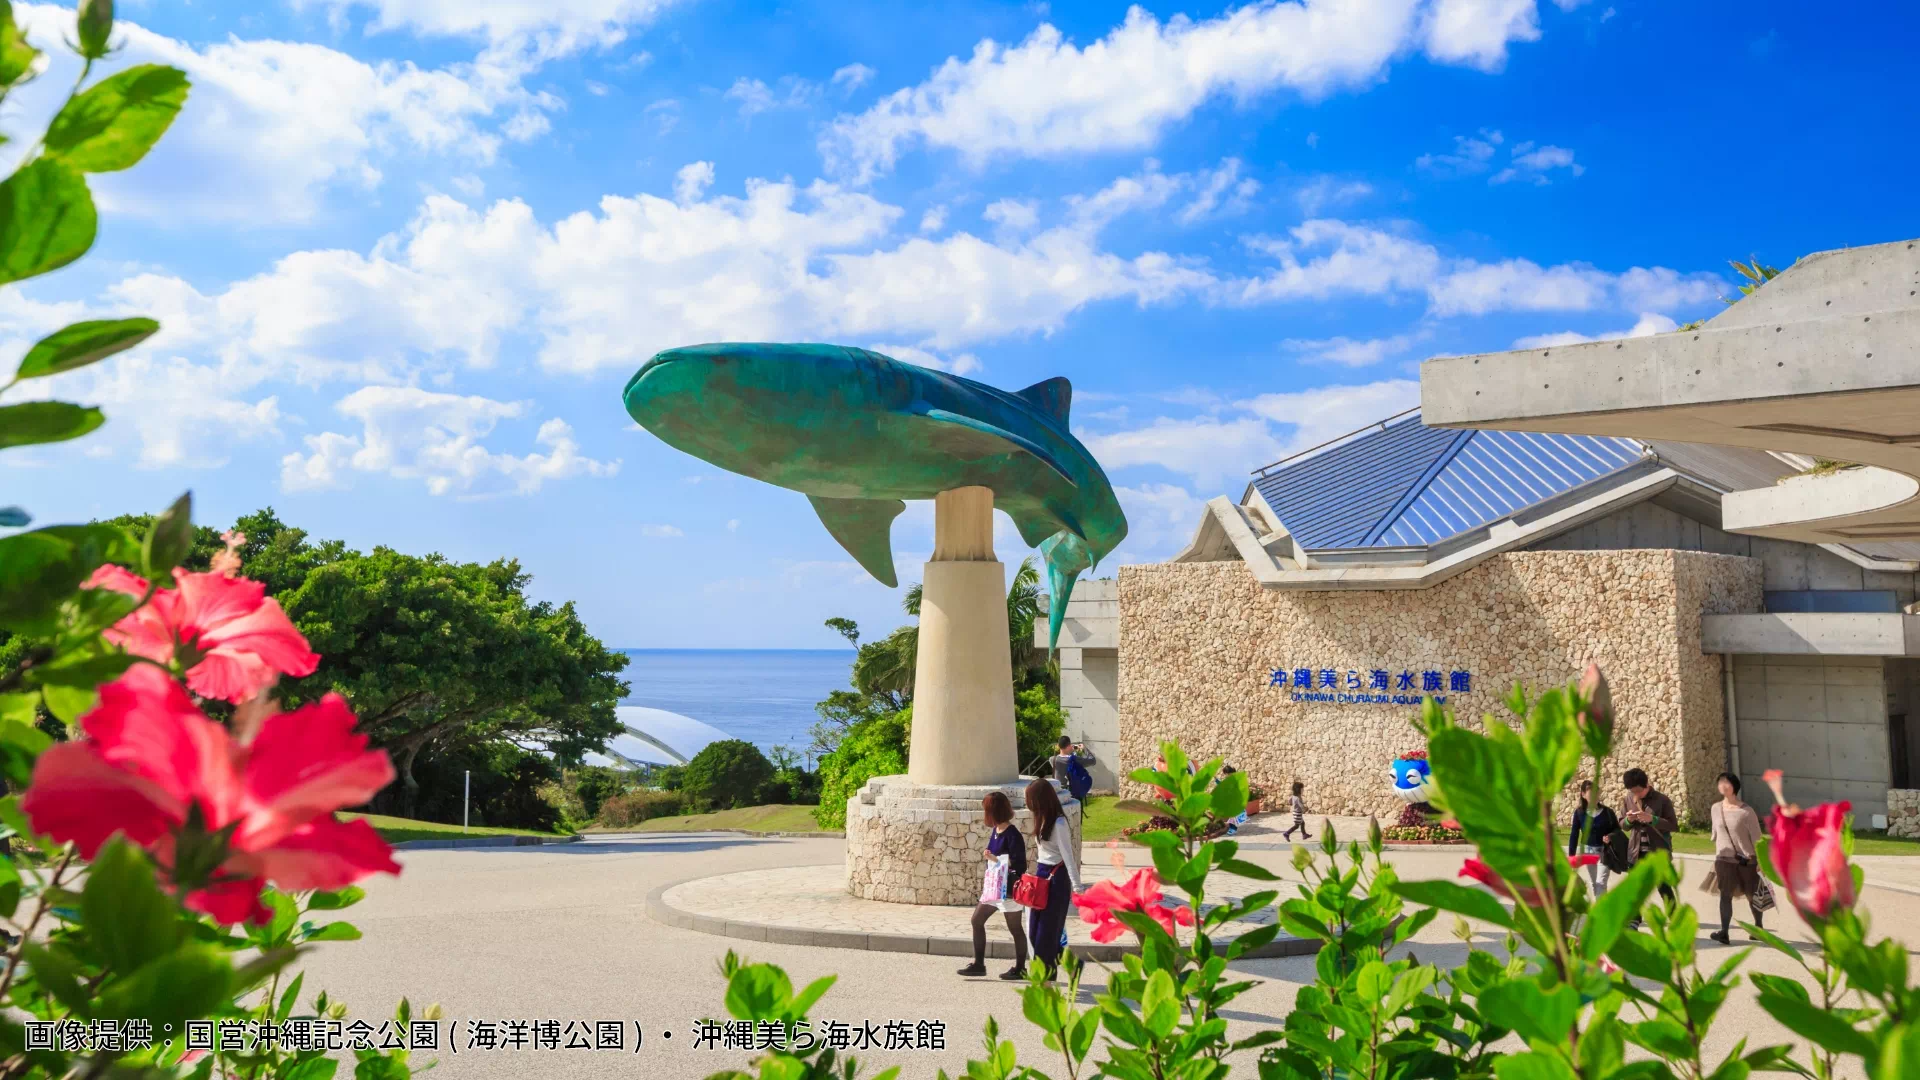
(1070, 770)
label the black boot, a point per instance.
(1016, 973)
(974, 970)
(1722, 937)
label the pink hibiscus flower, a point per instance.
(1141, 892)
(1484, 874)
(232, 640)
(153, 768)
(1808, 850)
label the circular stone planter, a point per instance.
(911, 843)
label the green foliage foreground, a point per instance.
(1576, 988)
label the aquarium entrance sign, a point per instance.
(1369, 686)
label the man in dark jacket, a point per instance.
(1649, 821)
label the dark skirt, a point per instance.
(1732, 877)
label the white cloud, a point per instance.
(1535, 164)
(1521, 285)
(1015, 214)
(1647, 326)
(1220, 191)
(1328, 192)
(959, 363)
(1046, 96)
(852, 77)
(1352, 352)
(415, 434)
(1470, 155)
(933, 220)
(1527, 162)
(271, 126)
(692, 181)
(1324, 257)
(1160, 517)
(660, 532)
(550, 27)
(757, 97)
(733, 525)
(1476, 32)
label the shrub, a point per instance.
(872, 747)
(727, 774)
(1037, 724)
(631, 808)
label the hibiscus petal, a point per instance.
(233, 901)
(325, 854)
(208, 601)
(265, 632)
(1108, 930)
(116, 579)
(146, 724)
(77, 795)
(306, 764)
(232, 677)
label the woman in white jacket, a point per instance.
(1058, 862)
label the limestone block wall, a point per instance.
(911, 843)
(1198, 642)
(1903, 812)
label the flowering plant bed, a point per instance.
(1423, 834)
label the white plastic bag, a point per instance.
(993, 887)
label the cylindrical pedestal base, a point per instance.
(910, 843)
(963, 679)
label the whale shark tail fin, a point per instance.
(1065, 555)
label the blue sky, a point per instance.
(406, 252)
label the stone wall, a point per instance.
(1198, 642)
(1903, 812)
(911, 843)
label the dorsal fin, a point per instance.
(1051, 396)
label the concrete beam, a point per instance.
(1811, 634)
(1824, 361)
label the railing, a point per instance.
(1381, 424)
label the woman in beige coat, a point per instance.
(1736, 870)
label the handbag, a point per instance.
(1032, 891)
(1762, 897)
(993, 886)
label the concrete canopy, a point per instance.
(1824, 361)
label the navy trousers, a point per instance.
(1044, 925)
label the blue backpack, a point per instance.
(1079, 780)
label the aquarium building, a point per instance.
(1298, 630)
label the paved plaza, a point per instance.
(562, 933)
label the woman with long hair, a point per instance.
(1006, 840)
(1058, 862)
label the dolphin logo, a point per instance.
(858, 433)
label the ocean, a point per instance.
(690, 697)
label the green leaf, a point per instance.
(287, 999)
(41, 569)
(1621, 904)
(1230, 797)
(1818, 1026)
(320, 1068)
(57, 973)
(1159, 1006)
(117, 120)
(758, 992)
(1766, 862)
(336, 899)
(1449, 896)
(1490, 787)
(169, 539)
(33, 422)
(1532, 1065)
(1643, 955)
(46, 219)
(83, 343)
(1521, 1005)
(338, 931)
(127, 916)
(1246, 869)
(1662, 1036)
(16, 56)
(83, 671)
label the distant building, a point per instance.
(1297, 632)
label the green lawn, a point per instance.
(1864, 843)
(1103, 820)
(777, 817)
(395, 830)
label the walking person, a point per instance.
(1592, 825)
(1057, 862)
(1299, 807)
(1650, 822)
(1736, 870)
(1006, 841)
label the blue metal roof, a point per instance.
(1411, 485)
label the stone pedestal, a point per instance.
(963, 673)
(912, 843)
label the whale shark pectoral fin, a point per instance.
(1051, 396)
(1002, 440)
(1066, 555)
(865, 528)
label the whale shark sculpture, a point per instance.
(858, 432)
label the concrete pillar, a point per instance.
(963, 678)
